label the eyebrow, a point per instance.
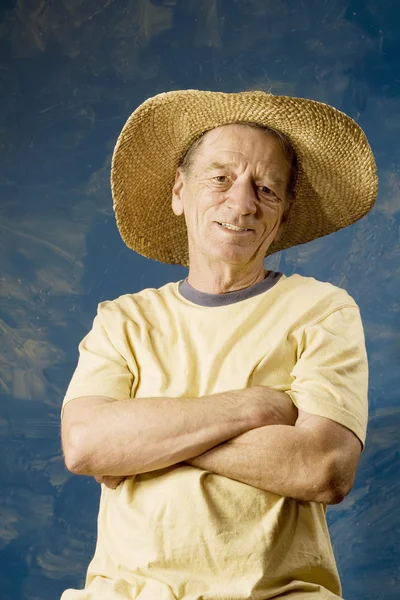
(272, 175)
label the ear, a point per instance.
(177, 193)
(290, 201)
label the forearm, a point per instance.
(276, 458)
(103, 436)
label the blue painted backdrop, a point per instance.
(71, 71)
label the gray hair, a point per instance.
(186, 164)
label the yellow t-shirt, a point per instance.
(182, 533)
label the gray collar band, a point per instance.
(204, 299)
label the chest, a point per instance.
(199, 356)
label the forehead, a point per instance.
(250, 143)
(236, 144)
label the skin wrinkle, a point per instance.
(230, 168)
(268, 175)
(220, 263)
(187, 162)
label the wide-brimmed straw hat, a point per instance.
(336, 181)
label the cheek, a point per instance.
(198, 207)
(273, 216)
(205, 205)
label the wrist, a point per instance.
(291, 411)
(271, 407)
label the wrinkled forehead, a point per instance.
(237, 137)
(233, 144)
(223, 132)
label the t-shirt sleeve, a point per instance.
(101, 369)
(330, 378)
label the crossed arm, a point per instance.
(315, 460)
(286, 452)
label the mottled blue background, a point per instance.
(71, 72)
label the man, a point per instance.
(223, 412)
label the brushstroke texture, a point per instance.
(70, 74)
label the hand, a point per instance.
(110, 481)
(269, 407)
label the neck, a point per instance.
(224, 279)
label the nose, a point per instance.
(242, 197)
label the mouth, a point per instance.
(232, 229)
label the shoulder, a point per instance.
(134, 306)
(311, 292)
(306, 301)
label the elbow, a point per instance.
(74, 448)
(334, 493)
(335, 485)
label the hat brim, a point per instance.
(336, 184)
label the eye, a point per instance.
(219, 177)
(267, 190)
(268, 195)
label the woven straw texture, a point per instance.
(336, 184)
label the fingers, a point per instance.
(110, 481)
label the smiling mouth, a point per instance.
(233, 228)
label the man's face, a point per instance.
(239, 177)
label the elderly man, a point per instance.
(222, 413)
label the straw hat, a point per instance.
(336, 183)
